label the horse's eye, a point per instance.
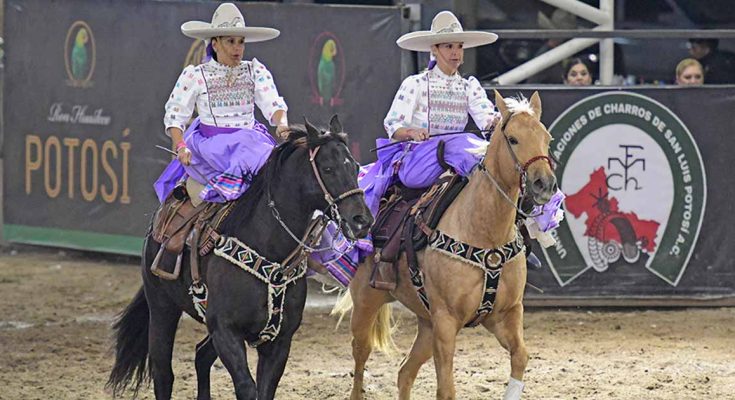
(512, 140)
(328, 170)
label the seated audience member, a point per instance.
(576, 73)
(689, 72)
(717, 65)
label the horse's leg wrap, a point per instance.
(514, 389)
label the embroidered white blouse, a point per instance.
(451, 97)
(223, 96)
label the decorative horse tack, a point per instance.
(490, 261)
(275, 275)
(522, 169)
(331, 203)
(278, 276)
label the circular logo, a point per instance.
(326, 70)
(79, 54)
(635, 186)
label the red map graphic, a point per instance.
(605, 222)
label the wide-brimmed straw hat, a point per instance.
(445, 28)
(228, 21)
(560, 19)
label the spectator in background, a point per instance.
(576, 73)
(561, 19)
(689, 72)
(718, 66)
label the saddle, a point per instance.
(405, 220)
(177, 224)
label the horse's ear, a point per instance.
(500, 103)
(311, 131)
(536, 105)
(334, 125)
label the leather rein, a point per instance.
(332, 205)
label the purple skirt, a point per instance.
(416, 164)
(225, 160)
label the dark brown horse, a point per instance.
(311, 171)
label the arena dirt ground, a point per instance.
(56, 309)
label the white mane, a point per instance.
(515, 105)
(518, 105)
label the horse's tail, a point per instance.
(381, 332)
(131, 347)
(343, 306)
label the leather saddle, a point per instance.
(405, 220)
(177, 224)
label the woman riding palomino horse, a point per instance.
(249, 295)
(434, 102)
(482, 216)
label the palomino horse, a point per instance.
(483, 216)
(310, 171)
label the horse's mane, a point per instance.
(298, 138)
(515, 105)
(519, 104)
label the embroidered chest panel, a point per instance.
(230, 88)
(448, 104)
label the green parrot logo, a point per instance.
(327, 70)
(326, 73)
(79, 57)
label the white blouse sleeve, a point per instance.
(266, 94)
(404, 104)
(181, 103)
(480, 107)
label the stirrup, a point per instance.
(155, 270)
(380, 282)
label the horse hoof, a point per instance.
(533, 261)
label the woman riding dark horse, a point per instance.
(310, 171)
(251, 287)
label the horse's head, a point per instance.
(332, 183)
(525, 147)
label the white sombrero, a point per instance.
(445, 28)
(228, 21)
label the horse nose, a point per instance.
(362, 221)
(544, 184)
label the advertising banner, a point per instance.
(86, 83)
(647, 180)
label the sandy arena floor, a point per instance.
(56, 310)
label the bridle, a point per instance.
(331, 201)
(521, 168)
(332, 207)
